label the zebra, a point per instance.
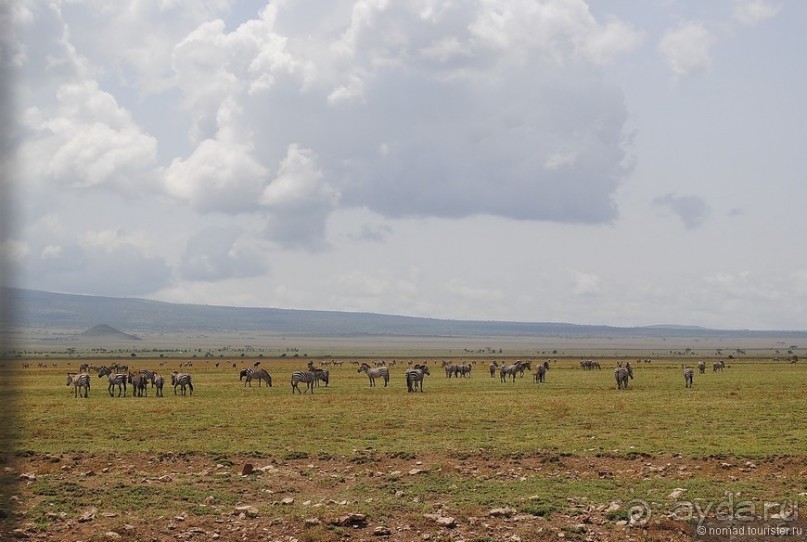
(718, 366)
(702, 367)
(115, 379)
(182, 380)
(492, 367)
(525, 366)
(689, 376)
(511, 370)
(309, 377)
(414, 377)
(540, 373)
(138, 382)
(81, 380)
(259, 374)
(157, 381)
(149, 375)
(622, 374)
(463, 370)
(321, 374)
(372, 374)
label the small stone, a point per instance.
(381, 530)
(446, 521)
(677, 493)
(311, 522)
(89, 515)
(504, 512)
(112, 535)
(287, 501)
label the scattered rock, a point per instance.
(353, 519)
(381, 530)
(414, 472)
(446, 521)
(287, 501)
(247, 510)
(677, 493)
(28, 476)
(89, 515)
(311, 522)
(20, 534)
(504, 512)
(112, 535)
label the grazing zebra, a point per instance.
(309, 377)
(259, 374)
(115, 379)
(718, 366)
(463, 370)
(511, 370)
(138, 382)
(372, 374)
(321, 374)
(540, 373)
(622, 374)
(182, 380)
(414, 377)
(689, 376)
(493, 366)
(702, 367)
(157, 381)
(79, 381)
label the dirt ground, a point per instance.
(291, 500)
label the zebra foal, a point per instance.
(81, 380)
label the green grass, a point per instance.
(752, 409)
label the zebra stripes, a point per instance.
(115, 379)
(511, 370)
(414, 377)
(309, 377)
(621, 375)
(81, 380)
(182, 380)
(372, 374)
(540, 373)
(689, 376)
(259, 374)
(138, 382)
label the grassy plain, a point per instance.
(562, 449)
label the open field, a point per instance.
(571, 456)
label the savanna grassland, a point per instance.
(469, 459)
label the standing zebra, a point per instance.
(540, 372)
(702, 367)
(689, 376)
(182, 380)
(79, 381)
(414, 377)
(138, 382)
(622, 374)
(718, 366)
(372, 374)
(157, 381)
(115, 379)
(493, 366)
(259, 374)
(309, 377)
(511, 370)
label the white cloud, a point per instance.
(751, 12)
(87, 141)
(583, 283)
(687, 48)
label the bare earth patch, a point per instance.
(156, 497)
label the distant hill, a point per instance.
(107, 332)
(76, 313)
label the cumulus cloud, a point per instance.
(87, 141)
(692, 210)
(687, 48)
(751, 12)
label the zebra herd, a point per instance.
(118, 380)
(139, 381)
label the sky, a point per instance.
(604, 162)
